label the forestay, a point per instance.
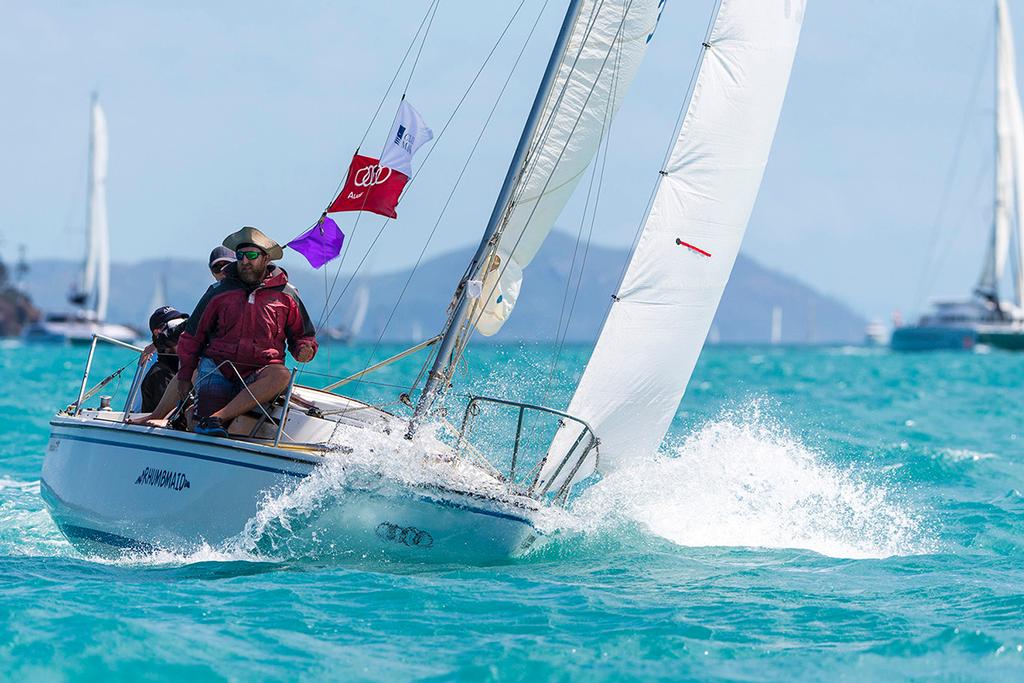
(607, 44)
(663, 310)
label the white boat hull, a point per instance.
(110, 487)
(77, 331)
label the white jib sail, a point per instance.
(650, 342)
(98, 260)
(605, 48)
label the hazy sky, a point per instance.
(231, 113)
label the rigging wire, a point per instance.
(468, 326)
(462, 172)
(602, 163)
(452, 310)
(448, 122)
(929, 261)
(325, 314)
(541, 137)
(541, 194)
(422, 165)
(427, 15)
(416, 61)
(981, 175)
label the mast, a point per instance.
(989, 286)
(439, 375)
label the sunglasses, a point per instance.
(216, 268)
(251, 255)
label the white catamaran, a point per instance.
(91, 294)
(446, 492)
(986, 318)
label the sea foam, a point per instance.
(742, 480)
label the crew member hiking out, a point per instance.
(236, 335)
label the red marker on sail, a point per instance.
(692, 248)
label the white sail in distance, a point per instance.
(608, 41)
(96, 280)
(660, 316)
(159, 297)
(362, 305)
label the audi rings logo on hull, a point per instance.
(406, 535)
(371, 175)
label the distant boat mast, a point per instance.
(776, 336)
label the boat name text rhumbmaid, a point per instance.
(164, 479)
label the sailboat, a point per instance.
(90, 295)
(159, 297)
(986, 317)
(465, 491)
(357, 317)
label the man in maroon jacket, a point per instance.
(236, 336)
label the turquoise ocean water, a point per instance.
(816, 513)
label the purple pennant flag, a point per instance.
(321, 243)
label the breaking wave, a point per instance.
(742, 480)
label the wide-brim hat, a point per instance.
(248, 235)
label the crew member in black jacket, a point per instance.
(166, 325)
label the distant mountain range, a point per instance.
(744, 316)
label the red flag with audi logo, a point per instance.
(376, 184)
(370, 187)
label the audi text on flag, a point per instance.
(370, 187)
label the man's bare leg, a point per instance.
(271, 380)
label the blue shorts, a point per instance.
(214, 390)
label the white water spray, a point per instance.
(743, 481)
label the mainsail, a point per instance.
(1009, 183)
(663, 309)
(607, 44)
(96, 277)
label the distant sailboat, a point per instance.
(986, 318)
(347, 334)
(90, 295)
(776, 333)
(714, 336)
(159, 297)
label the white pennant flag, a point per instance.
(408, 134)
